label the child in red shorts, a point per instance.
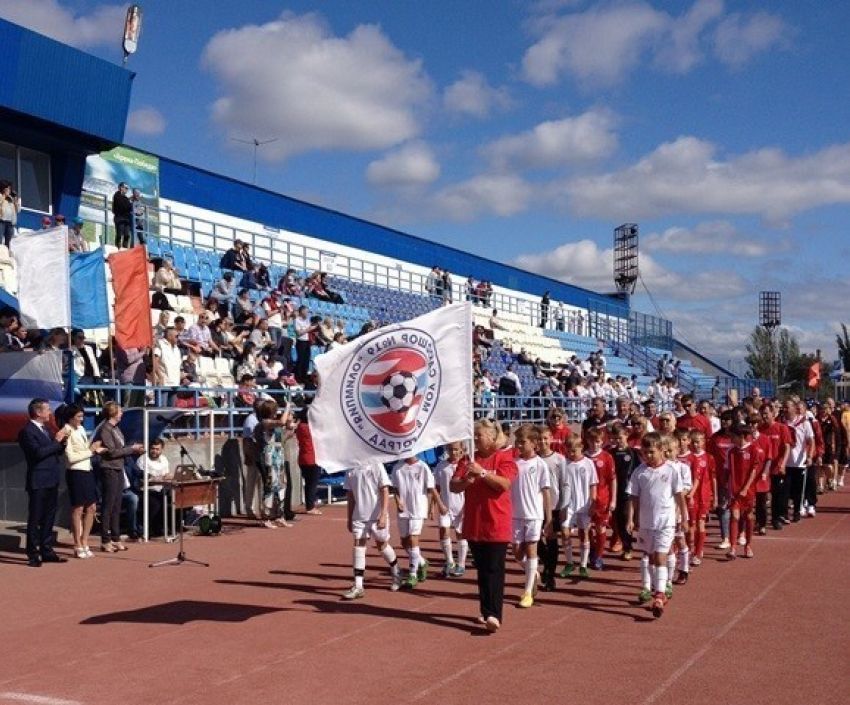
(606, 492)
(745, 462)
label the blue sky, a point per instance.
(527, 131)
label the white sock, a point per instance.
(685, 560)
(585, 554)
(388, 552)
(671, 563)
(446, 545)
(645, 575)
(530, 574)
(462, 550)
(661, 578)
(359, 565)
(415, 558)
(568, 549)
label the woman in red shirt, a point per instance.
(310, 472)
(487, 515)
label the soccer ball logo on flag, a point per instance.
(391, 388)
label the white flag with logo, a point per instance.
(395, 392)
(44, 277)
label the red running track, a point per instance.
(265, 624)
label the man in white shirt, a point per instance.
(168, 361)
(156, 466)
(801, 454)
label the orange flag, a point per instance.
(133, 327)
(814, 376)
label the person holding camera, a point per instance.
(305, 327)
(10, 206)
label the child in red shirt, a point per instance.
(606, 493)
(745, 462)
(704, 497)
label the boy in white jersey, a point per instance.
(414, 491)
(548, 546)
(531, 505)
(578, 495)
(452, 519)
(655, 494)
(367, 490)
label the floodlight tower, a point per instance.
(770, 318)
(626, 259)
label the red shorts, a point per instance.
(601, 515)
(700, 510)
(744, 506)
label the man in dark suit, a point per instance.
(44, 453)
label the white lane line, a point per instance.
(36, 699)
(687, 665)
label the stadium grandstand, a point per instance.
(230, 266)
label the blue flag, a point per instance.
(89, 304)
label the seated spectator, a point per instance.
(333, 295)
(84, 359)
(289, 284)
(76, 240)
(243, 309)
(247, 392)
(244, 263)
(524, 358)
(246, 363)
(229, 342)
(261, 338)
(200, 335)
(339, 326)
(338, 341)
(56, 339)
(162, 323)
(183, 336)
(325, 332)
(263, 280)
(166, 278)
(211, 307)
(249, 279)
(189, 370)
(367, 327)
(223, 293)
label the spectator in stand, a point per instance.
(189, 370)
(168, 363)
(310, 471)
(434, 283)
(223, 293)
(338, 341)
(10, 206)
(230, 343)
(183, 336)
(244, 263)
(56, 339)
(46, 223)
(325, 332)
(166, 278)
(471, 291)
(201, 336)
(304, 330)
(84, 359)
(288, 284)
(131, 368)
(113, 477)
(246, 363)
(249, 279)
(76, 241)
(271, 309)
(545, 303)
(122, 217)
(140, 216)
(228, 259)
(18, 340)
(447, 288)
(559, 317)
(510, 388)
(162, 323)
(264, 282)
(495, 323)
(243, 309)
(261, 337)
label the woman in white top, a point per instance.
(80, 479)
(10, 206)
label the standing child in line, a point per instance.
(548, 546)
(367, 489)
(414, 491)
(452, 519)
(719, 446)
(606, 492)
(626, 459)
(531, 507)
(745, 462)
(705, 494)
(761, 486)
(684, 540)
(578, 496)
(655, 495)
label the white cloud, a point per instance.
(597, 45)
(413, 164)
(103, 25)
(502, 195)
(146, 121)
(601, 44)
(586, 137)
(710, 238)
(739, 38)
(472, 95)
(685, 176)
(291, 79)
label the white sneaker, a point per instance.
(724, 544)
(492, 625)
(354, 593)
(742, 540)
(396, 584)
(840, 482)
(811, 512)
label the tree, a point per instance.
(781, 350)
(843, 341)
